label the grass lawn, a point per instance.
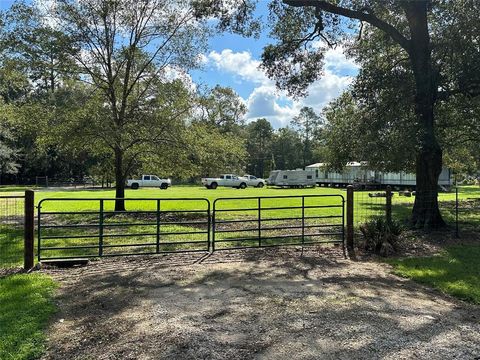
(26, 306)
(456, 271)
(177, 192)
(364, 203)
(11, 246)
(16, 188)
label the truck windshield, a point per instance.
(155, 178)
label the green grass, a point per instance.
(26, 307)
(11, 246)
(456, 271)
(175, 193)
(364, 202)
(16, 188)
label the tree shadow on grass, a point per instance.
(455, 271)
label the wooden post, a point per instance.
(29, 229)
(388, 205)
(350, 247)
(457, 235)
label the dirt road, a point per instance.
(255, 305)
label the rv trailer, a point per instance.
(298, 178)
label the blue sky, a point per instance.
(233, 61)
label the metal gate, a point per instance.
(87, 228)
(252, 222)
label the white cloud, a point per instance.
(266, 101)
(336, 61)
(171, 73)
(240, 64)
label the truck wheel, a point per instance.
(134, 186)
(243, 186)
(208, 186)
(213, 186)
(164, 186)
(260, 185)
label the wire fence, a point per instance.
(367, 205)
(79, 182)
(459, 207)
(11, 231)
(467, 210)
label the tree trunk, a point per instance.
(426, 213)
(119, 181)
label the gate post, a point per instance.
(350, 247)
(388, 205)
(457, 235)
(29, 229)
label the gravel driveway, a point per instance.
(258, 304)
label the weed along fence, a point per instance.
(277, 221)
(149, 226)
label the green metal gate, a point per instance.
(252, 222)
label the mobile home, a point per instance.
(358, 173)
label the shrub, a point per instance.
(380, 236)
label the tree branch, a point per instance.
(354, 14)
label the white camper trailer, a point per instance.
(292, 178)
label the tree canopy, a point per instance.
(105, 81)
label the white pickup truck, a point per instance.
(149, 181)
(228, 180)
(254, 181)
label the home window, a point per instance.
(309, 176)
(285, 176)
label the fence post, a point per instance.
(100, 230)
(29, 229)
(259, 222)
(388, 205)
(350, 247)
(457, 235)
(158, 226)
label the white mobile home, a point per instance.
(354, 172)
(358, 173)
(292, 178)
